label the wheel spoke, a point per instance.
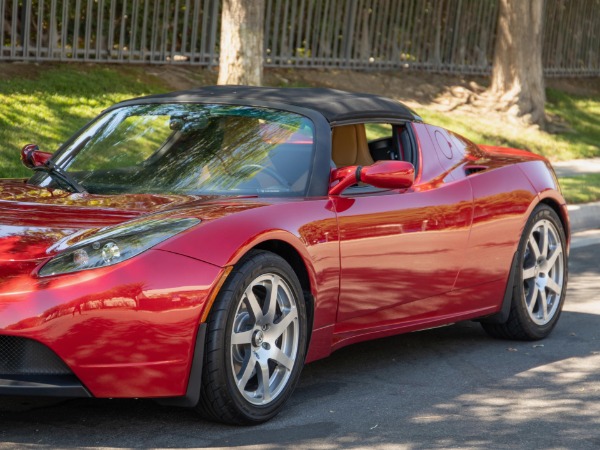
(265, 337)
(280, 327)
(263, 381)
(246, 372)
(534, 247)
(543, 269)
(528, 273)
(271, 301)
(544, 240)
(253, 306)
(554, 256)
(544, 304)
(553, 286)
(282, 359)
(533, 298)
(243, 337)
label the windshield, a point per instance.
(190, 149)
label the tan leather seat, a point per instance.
(349, 146)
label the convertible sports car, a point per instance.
(199, 247)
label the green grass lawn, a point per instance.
(582, 115)
(46, 104)
(50, 106)
(581, 188)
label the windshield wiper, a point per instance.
(60, 175)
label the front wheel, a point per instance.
(256, 342)
(540, 281)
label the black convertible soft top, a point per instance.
(334, 105)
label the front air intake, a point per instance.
(24, 357)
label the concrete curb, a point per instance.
(585, 216)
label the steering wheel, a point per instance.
(266, 170)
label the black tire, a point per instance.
(523, 324)
(221, 399)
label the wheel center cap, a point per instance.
(541, 281)
(258, 338)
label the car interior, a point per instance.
(351, 147)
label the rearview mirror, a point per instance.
(382, 174)
(32, 157)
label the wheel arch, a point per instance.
(544, 183)
(304, 271)
(295, 260)
(280, 243)
(561, 212)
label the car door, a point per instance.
(401, 249)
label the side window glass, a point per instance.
(376, 131)
(407, 149)
(365, 143)
(381, 142)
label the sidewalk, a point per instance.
(585, 216)
(576, 167)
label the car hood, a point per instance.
(32, 219)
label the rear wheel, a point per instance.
(256, 342)
(540, 282)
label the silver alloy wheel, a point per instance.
(264, 339)
(543, 272)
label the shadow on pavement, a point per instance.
(415, 390)
(446, 387)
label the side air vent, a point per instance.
(470, 170)
(21, 356)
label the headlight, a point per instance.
(115, 244)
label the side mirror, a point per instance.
(382, 174)
(32, 157)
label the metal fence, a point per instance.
(439, 35)
(572, 37)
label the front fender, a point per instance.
(308, 226)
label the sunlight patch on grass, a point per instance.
(580, 113)
(581, 188)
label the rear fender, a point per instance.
(543, 179)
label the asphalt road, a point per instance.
(444, 388)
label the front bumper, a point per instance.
(48, 386)
(124, 331)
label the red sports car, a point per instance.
(200, 247)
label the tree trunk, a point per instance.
(517, 74)
(241, 49)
